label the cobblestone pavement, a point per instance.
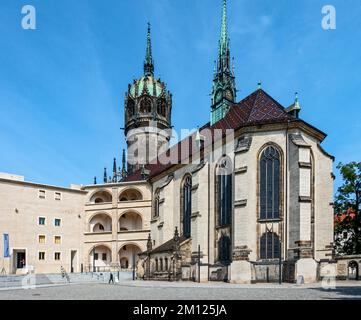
(184, 291)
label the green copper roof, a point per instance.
(147, 84)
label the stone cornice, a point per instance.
(304, 165)
(43, 186)
(304, 199)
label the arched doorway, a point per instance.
(353, 270)
(126, 254)
(99, 258)
(124, 263)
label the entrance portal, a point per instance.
(73, 261)
(19, 261)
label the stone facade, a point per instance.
(306, 222)
(101, 226)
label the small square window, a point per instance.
(41, 221)
(104, 256)
(42, 194)
(57, 196)
(57, 222)
(42, 239)
(41, 255)
(57, 239)
(57, 256)
(95, 256)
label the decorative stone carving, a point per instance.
(168, 181)
(243, 144)
(298, 140)
(199, 167)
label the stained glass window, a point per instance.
(224, 192)
(270, 184)
(187, 206)
(270, 246)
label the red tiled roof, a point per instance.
(257, 108)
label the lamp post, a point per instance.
(133, 266)
(199, 264)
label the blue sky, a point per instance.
(62, 86)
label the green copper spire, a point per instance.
(148, 63)
(224, 85)
(224, 30)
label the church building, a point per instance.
(246, 193)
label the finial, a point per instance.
(124, 161)
(148, 63)
(95, 180)
(149, 243)
(259, 85)
(297, 103)
(105, 176)
(114, 168)
(176, 233)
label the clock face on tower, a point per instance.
(229, 95)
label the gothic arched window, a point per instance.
(270, 174)
(186, 206)
(131, 107)
(224, 192)
(161, 107)
(156, 204)
(224, 249)
(270, 246)
(145, 105)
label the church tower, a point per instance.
(148, 108)
(224, 87)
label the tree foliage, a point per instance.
(347, 207)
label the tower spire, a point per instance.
(224, 30)
(224, 86)
(148, 63)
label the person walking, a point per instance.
(111, 279)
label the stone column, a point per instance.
(115, 218)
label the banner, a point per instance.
(6, 246)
